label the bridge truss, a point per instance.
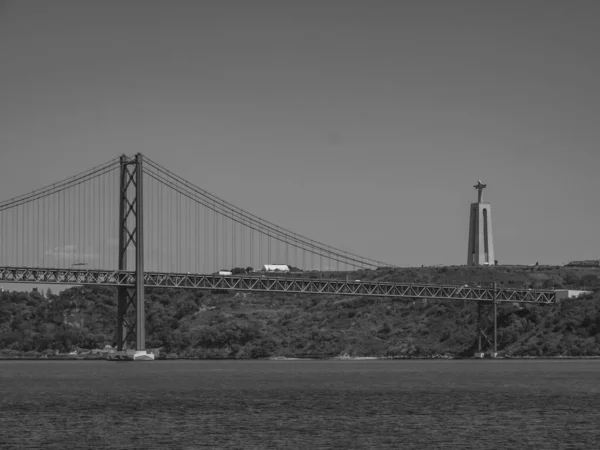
(278, 284)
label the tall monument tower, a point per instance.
(481, 245)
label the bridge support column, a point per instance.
(131, 318)
(495, 352)
(484, 321)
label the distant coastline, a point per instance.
(314, 358)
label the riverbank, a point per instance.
(281, 358)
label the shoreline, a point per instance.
(316, 358)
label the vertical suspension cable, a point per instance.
(31, 234)
(252, 247)
(192, 241)
(156, 225)
(48, 248)
(110, 225)
(197, 237)
(32, 229)
(295, 250)
(260, 250)
(160, 226)
(2, 239)
(90, 228)
(202, 257)
(43, 232)
(224, 237)
(173, 224)
(206, 239)
(151, 243)
(148, 219)
(97, 222)
(178, 217)
(18, 227)
(63, 202)
(184, 242)
(243, 262)
(269, 259)
(97, 199)
(52, 233)
(84, 230)
(158, 238)
(183, 219)
(188, 243)
(78, 246)
(147, 210)
(48, 224)
(58, 253)
(215, 238)
(67, 216)
(102, 212)
(26, 234)
(169, 226)
(12, 235)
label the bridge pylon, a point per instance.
(131, 318)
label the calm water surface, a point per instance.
(300, 404)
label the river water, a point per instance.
(300, 404)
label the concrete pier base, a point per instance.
(131, 355)
(143, 355)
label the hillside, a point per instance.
(206, 325)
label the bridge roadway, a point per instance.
(259, 283)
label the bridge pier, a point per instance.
(131, 325)
(483, 325)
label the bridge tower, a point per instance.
(481, 245)
(131, 318)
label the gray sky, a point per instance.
(363, 125)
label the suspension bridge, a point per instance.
(131, 223)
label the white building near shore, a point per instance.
(276, 268)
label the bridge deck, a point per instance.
(258, 283)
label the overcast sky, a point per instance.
(363, 125)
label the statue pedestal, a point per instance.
(481, 244)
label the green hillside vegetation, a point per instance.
(204, 324)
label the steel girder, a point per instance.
(274, 284)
